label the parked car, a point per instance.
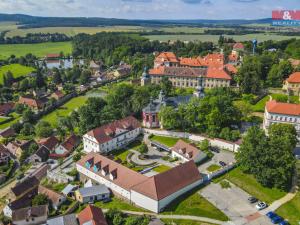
(222, 163)
(271, 214)
(252, 199)
(215, 149)
(276, 219)
(261, 205)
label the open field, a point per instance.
(291, 210)
(168, 141)
(16, 69)
(248, 183)
(8, 26)
(39, 50)
(215, 38)
(64, 110)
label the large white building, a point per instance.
(278, 112)
(112, 136)
(152, 193)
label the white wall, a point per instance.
(144, 201)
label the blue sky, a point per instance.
(150, 9)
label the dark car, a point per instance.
(222, 163)
(276, 219)
(252, 199)
(271, 214)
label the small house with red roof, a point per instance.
(279, 112)
(112, 136)
(187, 152)
(91, 215)
(68, 146)
(237, 48)
(292, 83)
(58, 95)
(35, 104)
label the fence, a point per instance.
(215, 142)
(220, 172)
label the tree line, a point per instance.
(33, 38)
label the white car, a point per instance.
(261, 206)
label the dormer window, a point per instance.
(97, 167)
(105, 170)
(113, 174)
(89, 163)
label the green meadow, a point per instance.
(16, 69)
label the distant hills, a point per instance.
(34, 21)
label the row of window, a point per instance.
(284, 118)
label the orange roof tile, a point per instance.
(183, 148)
(166, 57)
(283, 108)
(238, 46)
(294, 78)
(231, 68)
(92, 214)
(217, 73)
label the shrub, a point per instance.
(225, 184)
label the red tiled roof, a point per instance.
(71, 142)
(294, 78)
(164, 184)
(92, 214)
(52, 195)
(283, 108)
(232, 57)
(184, 148)
(6, 107)
(231, 68)
(35, 103)
(238, 46)
(125, 177)
(217, 73)
(105, 133)
(194, 62)
(166, 57)
(58, 94)
(53, 55)
(50, 142)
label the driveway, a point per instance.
(225, 156)
(233, 202)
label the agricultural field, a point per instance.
(39, 50)
(215, 38)
(16, 69)
(8, 26)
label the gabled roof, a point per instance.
(94, 190)
(26, 185)
(31, 102)
(30, 212)
(231, 68)
(238, 46)
(52, 195)
(71, 142)
(43, 153)
(50, 142)
(69, 219)
(164, 184)
(106, 133)
(185, 149)
(91, 215)
(217, 73)
(166, 57)
(294, 78)
(283, 108)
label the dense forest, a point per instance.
(31, 38)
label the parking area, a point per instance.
(234, 203)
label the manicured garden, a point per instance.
(249, 184)
(161, 168)
(16, 69)
(213, 168)
(291, 210)
(192, 203)
(168, 141)
(65, 110)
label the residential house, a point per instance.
(30, 215)
(292, 83)
(41, 155)
(6, 108)
(50, 143)
(35, 104)
(95, 67)
(152, 193)
(68, 145)
(285, 113)
(17, 147)
(55, 198)
(69, 190)
(4, 155)
(112, 136)
(187, 152)
(91, 215)
(7, 132)
(92, 194)
(58, 95)
(237, 49)
(69, 219)
(122, 70)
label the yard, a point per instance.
(249, 184)
(64, 110)
(291, 210)
(39, 50)
(192, 203)
(213, 168)
(16, 117)
(161, 168)
(16, 69)
(168, 141)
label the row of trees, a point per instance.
(32, 38)
(269, 158)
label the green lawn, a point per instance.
(184, 222)
(119, 204)
(168, 141)
(192, 203)
(249, 184)
(291, 210)
(39, 50)
(213, 168)
(16, 117)
(16, 69)
(123, 153)
(161, 168)
(3, 119)
(64, 110)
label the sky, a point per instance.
(150, 9)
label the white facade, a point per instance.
(185, 158)
(272, 118)
(122, 138)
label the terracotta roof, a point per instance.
(50, 142)
(238, 46)
(179, 71)
(52, 195)
(31, 102)
(30, 212)
(193, 62)
(233, 57)
(164, 184)
(71, 142)
(217, 73)
(93, 215)
(58, 94)
(166, 57)
(106, 133)
(53, 55)
(185, 149)
(231, 68)
(26, 185)
(125, 177)
(294, 78)
(6, 107)
(283, 108)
